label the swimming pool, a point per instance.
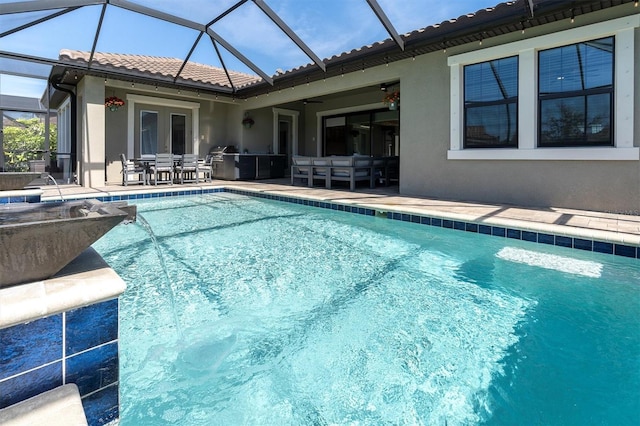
(276, 313)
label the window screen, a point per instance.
(491, 104)
(576, 94)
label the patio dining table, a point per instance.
(148, 161)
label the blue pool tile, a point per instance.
(93, 369)
(460, 226)
(405, 217)
(30, 384)
(471, 227)
(447, 223)
(546, 239)
(436, 222)
(581, 244)
(484, 229)
(425, 220)
(101, 407)
(624, 250)
(564, 241)
(516, 234)
(91, 326)
(361, 210)
(498, 231)
(602, 247)
(530, 236)
(397, 216)
(27, 346)
(415, 219)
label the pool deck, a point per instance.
(611, 227)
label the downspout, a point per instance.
(74, 122)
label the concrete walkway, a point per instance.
(615, 228)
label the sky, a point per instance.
(328, 27)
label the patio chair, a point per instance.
(206, 168)
(188, 168)
(321, 170)
(129, 169)
(351, 169)
(162, 167)
(301, 169)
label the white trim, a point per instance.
(195, 117)
(295, 117)
(585, 154)
(527, 51)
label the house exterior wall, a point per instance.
(429, 163)
(213, 125)
(92, 132)
(603, 179)
(426, 139)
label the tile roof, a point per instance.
(154, 66)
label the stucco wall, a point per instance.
(214, 128)
(425, 133)
(425, 170)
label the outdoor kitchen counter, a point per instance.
(249, 166)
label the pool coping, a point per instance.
(574, 237)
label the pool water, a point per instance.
(244, 311)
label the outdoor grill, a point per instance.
(217, 160)
(217, 152)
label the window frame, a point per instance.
(583, 94)
(505, 102)
(623, 31)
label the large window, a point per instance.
(575, 94)
(362, 133)
(491, 104)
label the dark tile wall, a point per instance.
(20, 199)
(35, 357)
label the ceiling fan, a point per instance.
(311, 101)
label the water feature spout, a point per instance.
(37, 240)
(170, 293)
(10, 181)
(49, 177)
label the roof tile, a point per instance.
(162, 66)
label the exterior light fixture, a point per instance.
(573, 16)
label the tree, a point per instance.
(26, 141)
